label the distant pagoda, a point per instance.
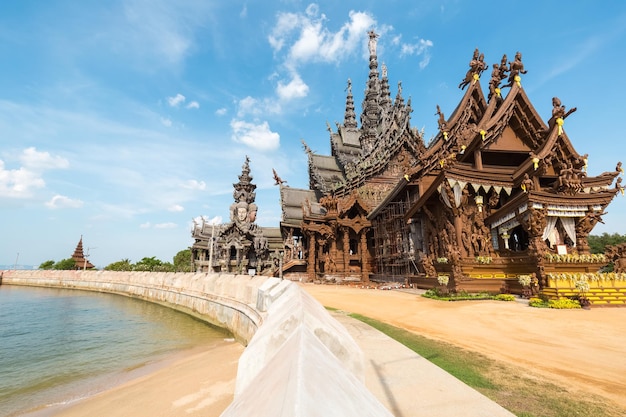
(79, 257)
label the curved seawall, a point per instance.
(226, 301)
(296, 354)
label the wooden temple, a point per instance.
(493, 194)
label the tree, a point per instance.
(182, 261)
(153, 264)
(65, 264)
(598, 244)
(123, 265)
(47, 264)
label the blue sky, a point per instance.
(123, 120)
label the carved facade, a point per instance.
(494, 192)
(239, 246)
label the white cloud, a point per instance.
(61, 201)
(176, 208)
(176, 101)
(145, 225)
(165, 225)
(421, 47)
(194, 185)
(221, 112)
(193, 105)
(39, 161)
(296, 88)
(257, 136)
(21, 182)
(166, 122)
(312, 41)
(252, 106)
(18, 183)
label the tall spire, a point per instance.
(350, 116)
(371, 108)
(244, 189)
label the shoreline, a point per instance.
(196, 382)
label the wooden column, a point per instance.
(458, 228)
(365, 276)
(346, 251)
(310, 267)
(478, 160)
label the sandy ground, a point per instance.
(584, 350)
(200, 382)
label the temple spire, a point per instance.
(385, 94)
(350, 116)
(371, 106)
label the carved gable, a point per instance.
(508, 141)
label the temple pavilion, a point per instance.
(492, 197)
(240, 245)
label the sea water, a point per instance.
(58, 346)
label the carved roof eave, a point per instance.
(351, 202)
(484, 176)
(397, 189)
(425, 196)
(474, 91)
(526, 200)
(473, 101)
(602, 198)
(551, 142)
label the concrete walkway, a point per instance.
(411, 386)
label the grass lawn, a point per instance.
(524, 394)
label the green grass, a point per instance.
(513, 388)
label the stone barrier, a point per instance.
(299, 361)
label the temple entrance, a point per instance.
(518, 239)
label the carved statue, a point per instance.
(515, 69)
(371, 44)
(558, 110)
(277, 179)
(527, 184)
(477, 66)
(497, 75)
(441, 121)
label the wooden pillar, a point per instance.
(458, 228)
(478, 160)
(310, 267)
(365, 276)
(346, 251)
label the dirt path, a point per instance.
(580, 349)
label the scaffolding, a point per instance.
(392, 244)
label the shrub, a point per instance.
(504, 297)
(564, 303)
(538, 302)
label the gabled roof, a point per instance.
(292, 201)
